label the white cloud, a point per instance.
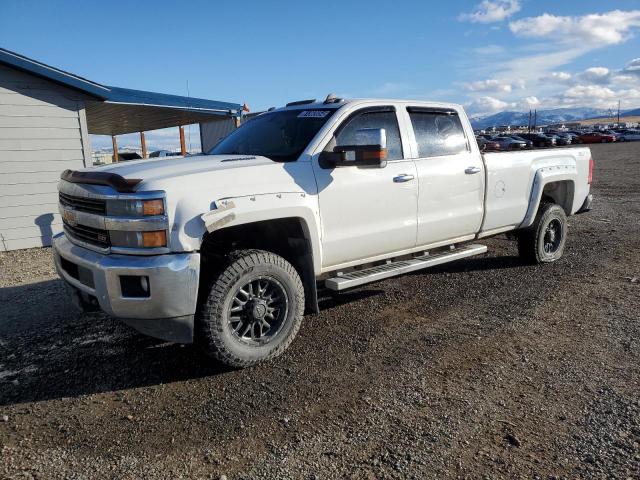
(595, 76)
(595, 96)
(535, 75)
(495, 85)
(489, 11)
(632, 68)
(560, 77)
(589, 92)
(488, 104)
(529, 102)
(490, 85)
(595, 30)
(599, 75)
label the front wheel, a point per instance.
(544, 240)
(252, 310)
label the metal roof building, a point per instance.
(46, 116)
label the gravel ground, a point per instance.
(481, 369)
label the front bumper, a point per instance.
(167, 311)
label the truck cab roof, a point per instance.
(309, 105)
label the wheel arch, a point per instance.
(554, 185)
(290, 237)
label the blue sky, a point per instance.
(491, 55)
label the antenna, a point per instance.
(189, 126)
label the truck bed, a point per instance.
(512, 179)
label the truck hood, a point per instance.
(213, 177)
(159, 169)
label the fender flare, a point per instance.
(235, 211)
(543, 177)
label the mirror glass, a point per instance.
(371, 136)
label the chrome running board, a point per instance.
(380, 272)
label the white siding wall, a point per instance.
(42, 133)
(211, 132)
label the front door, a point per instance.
(450, 174)
(367, 211)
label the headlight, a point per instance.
(135, 208)
(123, 238)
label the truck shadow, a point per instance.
(49, 351)
(476, 264)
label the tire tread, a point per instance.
(210, 329)
(528, 237)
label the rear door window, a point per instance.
(437, 133)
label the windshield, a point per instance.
(281, 136)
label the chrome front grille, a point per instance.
(94, 217)
(84, 204)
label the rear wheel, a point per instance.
(544, 240)
(252, 310)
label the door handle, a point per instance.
(403, 177)
(471, 170)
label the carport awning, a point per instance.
(115, 110)
(128, 111)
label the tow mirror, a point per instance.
(369, 150)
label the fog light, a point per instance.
(134, 286)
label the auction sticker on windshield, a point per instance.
(314, 113)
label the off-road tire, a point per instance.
(213, 332)
(531, 240)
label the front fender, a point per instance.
(233, 211)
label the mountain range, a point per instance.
(544, 117)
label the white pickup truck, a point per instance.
(230, 248)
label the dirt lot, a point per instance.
(481, 369)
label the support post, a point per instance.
(183, 147)
(114, 142)
(143, 145)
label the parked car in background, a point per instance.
(559, 140)
(508, 143)
(595, 137)
(538, 139)
(520, 139)
(629, 135)
(615, 133)
(482, 142)
(490, 144)
(164, 153)
(567, 137)
(127, 156)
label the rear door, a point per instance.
(368, 211)
(450, 176)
